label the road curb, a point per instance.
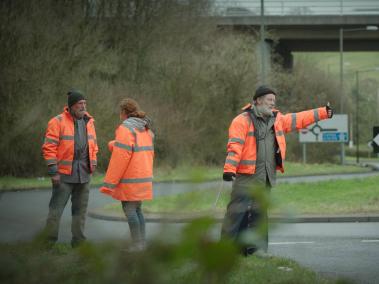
(177, 217)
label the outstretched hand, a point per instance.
(329, 110)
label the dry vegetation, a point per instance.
(189, 75)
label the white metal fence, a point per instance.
(295, 7)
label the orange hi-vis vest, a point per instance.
(59, 144)
(130, 171)
(242, 146)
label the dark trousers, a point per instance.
(79, 198)
(246, 221)
(136, 220)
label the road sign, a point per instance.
(334, 136)
(329, 130)
(375, 141)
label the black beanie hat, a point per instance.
(263, 90)
(74, 96)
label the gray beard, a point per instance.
(75, 115)
(264, 111)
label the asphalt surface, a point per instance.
(337, 250)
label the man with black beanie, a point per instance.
(70, 150)
(256, 149)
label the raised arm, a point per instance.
(298, 120)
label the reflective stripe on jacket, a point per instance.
(130, 171)
(58, 147)
(242, 147)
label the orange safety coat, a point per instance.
(58, 147)
(242, 146)
(130, 171)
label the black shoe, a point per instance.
(246, 251)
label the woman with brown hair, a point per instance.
(130, 171)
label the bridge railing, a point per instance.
(295, 7)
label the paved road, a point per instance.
(348, 250)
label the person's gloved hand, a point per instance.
(228, 176)
(329, 110)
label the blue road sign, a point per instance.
(334, 137)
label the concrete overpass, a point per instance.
(314, 30)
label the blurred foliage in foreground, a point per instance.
(194, 257)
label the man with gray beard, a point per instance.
(256, 149)
(70, 150)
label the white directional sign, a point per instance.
(329, 130)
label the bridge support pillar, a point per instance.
(265, 64)
(286, 57)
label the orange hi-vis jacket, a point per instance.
(130, 171)
(58, 147)
(242, 146)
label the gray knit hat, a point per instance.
(74, 96)
(263, 90)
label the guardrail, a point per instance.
(295, 7)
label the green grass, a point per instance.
(362, 159)
(273, 271)
(186, 174)
(9, 182)
(194, 259)
(356, 196)
(329, 62)
(299, 169)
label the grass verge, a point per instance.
(187, 174)
(356, 196)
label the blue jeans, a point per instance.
(136, 220)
